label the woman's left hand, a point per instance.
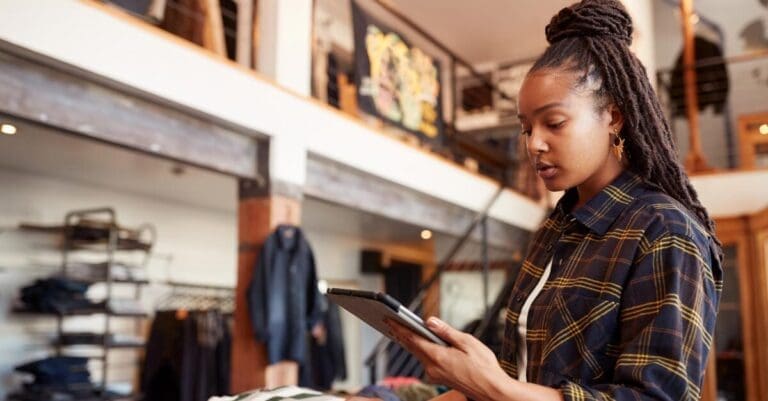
(467, 365)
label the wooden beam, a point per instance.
(694, 161)
(74, 101)
(255, 34)
(344, 185)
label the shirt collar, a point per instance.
(288, 236)
(602, 210)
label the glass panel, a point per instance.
(728, 333)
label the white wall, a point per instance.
(644, 40)
(461, 295)
(285, 32)
(202, 242)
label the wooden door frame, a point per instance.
(735, 231)
(758, 229)
(742, 232)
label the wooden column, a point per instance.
(709, 387)
(694, 161)
(259, 212)
(245, 37)
(432, 298)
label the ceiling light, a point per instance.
(426, 234)
(8, 129)
(764, 129)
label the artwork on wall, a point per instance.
(396, 81)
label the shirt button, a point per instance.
(519, 299)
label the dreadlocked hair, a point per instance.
(592, 37)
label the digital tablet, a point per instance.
(374, 308)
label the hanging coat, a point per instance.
(283, 299)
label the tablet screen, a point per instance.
(374, 308)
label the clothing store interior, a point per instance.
(184, 180)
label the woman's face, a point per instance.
(567, 136)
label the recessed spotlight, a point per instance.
(8, 129)
(764, 129)
(426, 234)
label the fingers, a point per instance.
(446, 332)
(421, 348)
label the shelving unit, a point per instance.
(95, 233)
(110, 241)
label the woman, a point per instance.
(618, 295)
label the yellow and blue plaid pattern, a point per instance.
(629, 308)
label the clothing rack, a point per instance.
(192, 296)
(190, 337)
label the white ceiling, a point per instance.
(485, 30)
(39, 150)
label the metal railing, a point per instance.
(497, 158)
(727, 88)
(397, 361)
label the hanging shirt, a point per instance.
(628, 311)
(283, 299)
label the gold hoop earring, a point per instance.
(618, 146)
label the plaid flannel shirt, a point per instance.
(629, 309)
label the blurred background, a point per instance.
(156, 154)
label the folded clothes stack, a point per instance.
(281, 393)
(62, 295)
(58, 295)
(87, 338)
(402, 389)
(61, 378)
(413, 390)
(98, 271)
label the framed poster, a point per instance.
(396, 81)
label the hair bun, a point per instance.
(591, 18)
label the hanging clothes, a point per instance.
(328, 361)
(712, 82)
(187, 356)
(283, 299)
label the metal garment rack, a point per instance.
(194, 296)
(110, 243)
